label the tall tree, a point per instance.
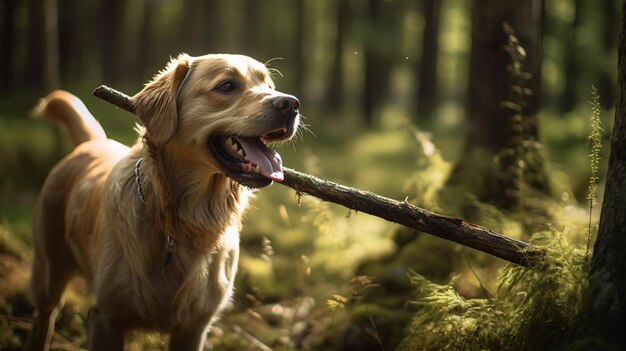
(112, 30)
(200, 26)
(608, 267)
(610, 23)
(572, 72)
(211, 26)
(7, 38)
(252, 24)
(146, 49)
(427, 69)
(72, 17)
(298, 47)
(380, 46)
(41, 72)
(334, 91)
(503, 101)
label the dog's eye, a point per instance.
(226, 86)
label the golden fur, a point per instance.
(90, 219)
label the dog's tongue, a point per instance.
(269, 161)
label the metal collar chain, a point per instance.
(170, 242)
(138, 180)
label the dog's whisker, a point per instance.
(267, 63)
(305, 128)
(293, 144)
(274, 71)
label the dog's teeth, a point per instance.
(245, 158)
(240, 152)
(257, 169)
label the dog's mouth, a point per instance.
(247, 159)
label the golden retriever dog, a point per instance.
(155, 228)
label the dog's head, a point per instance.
(224, 110)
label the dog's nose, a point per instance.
(287, 104)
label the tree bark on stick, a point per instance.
(401, 212)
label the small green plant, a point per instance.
(536, 308)
(595, 142)
(445, 320)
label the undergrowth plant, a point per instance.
(595, 141)
(537, 308)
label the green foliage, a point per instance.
(549, 298)
(595, 141)
(446, 321)
(535, 308)
(432, 172)
(9, 244)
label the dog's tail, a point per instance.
(65, 108)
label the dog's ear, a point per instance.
(156, 105)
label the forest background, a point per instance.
(433, 101)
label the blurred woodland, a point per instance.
(478, 109)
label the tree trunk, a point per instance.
(427, 69)
(7, 40)
(71, 44)
(489, 80)
(146, 49)
(334, 96)
(112, 29)
(380, 48)
(252, 25)
(298, 49)
(200, 26)
(41, 72)
(610, 23)
(375, 85)
(569, 96)
(503, 101)
(211, 28)
(608, 267)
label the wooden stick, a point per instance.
(401, 212)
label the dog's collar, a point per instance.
(170, 242)
(138, 180)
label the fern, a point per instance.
(534, 309)
(447, 321)
(550, 298)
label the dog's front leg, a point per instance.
(102, 336)
(188, 340)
